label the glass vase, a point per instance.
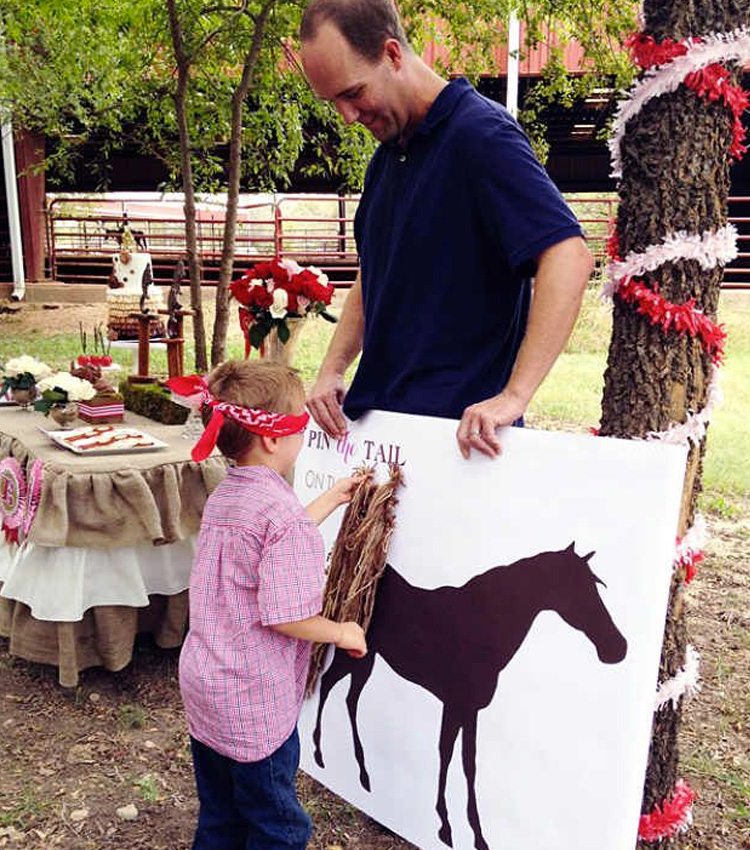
(64, 414)
(24, 396)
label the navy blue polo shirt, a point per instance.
(448, 232)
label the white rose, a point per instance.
(77, 388)
(292, 267)
(280, 303)
(24, 363)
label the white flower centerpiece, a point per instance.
(59, 394)
(20, 376)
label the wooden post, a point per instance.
(144, 343)
(176, 344)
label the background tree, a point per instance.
(65, 68)
(184, 79)
(675, 177)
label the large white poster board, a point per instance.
(534, 675)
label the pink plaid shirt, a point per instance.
(259, 562)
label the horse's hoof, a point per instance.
(364, 781)
(445, 835)
(318, 756)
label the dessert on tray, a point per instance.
(105, 439)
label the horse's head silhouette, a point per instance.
(572, 587)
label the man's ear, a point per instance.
(393, 52)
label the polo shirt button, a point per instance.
(402, 158)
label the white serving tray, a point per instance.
(105, 440)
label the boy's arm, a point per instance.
(325, 504)
(319, 629)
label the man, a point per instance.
(456, 217)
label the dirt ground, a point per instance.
(107, 764)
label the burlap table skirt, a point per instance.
(103, 638)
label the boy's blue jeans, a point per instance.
(249, 805)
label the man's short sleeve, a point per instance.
(290, 574)
(519, 202)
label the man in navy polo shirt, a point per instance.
(456, 218)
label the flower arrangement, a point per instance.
(271, 293)
(22, 373)
(60, 389)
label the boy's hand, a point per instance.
(352, 639)
(343, 490)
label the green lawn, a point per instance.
(571, 395)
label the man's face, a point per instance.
(360, 90)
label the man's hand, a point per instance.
(324, 404)
(477, 429)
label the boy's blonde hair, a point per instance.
(266, 385)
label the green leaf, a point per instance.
(283, 332)
(256, 335)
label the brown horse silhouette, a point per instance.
(454, 641)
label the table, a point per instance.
(109, 550)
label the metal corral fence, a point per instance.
(82, 235)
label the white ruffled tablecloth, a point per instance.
(109, 550)
(60, 584)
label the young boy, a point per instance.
(255, 601)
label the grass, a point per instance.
(571, 395)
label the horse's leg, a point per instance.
(448, 731)
(469, 752)
(340, 667)
(360, 671)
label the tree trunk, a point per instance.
(221, 319)
(675, 176)
(186, 167)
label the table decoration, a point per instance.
(274, 298)
(59, 394)
(105, 439)
(12, 497)
(20, 376)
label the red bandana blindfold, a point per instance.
(252, 419)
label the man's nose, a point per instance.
(348, 111)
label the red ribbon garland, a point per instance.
(690, 563)
(682, 318)
(671, 817)
(711, 83)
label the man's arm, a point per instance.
(563, 271)
(327, 395)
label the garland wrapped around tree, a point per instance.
(672, 144)
(358, 557)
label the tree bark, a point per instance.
(675, 176)
(221, 319)
(188, 188)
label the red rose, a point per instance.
(260, 270)
(317, 291)
(279, 274)
(240, 291)
(260, 297)
(296, 285)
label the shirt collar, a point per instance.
(443, 105)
